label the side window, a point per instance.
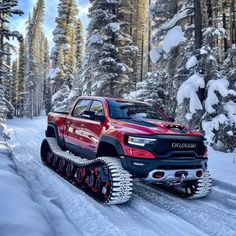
(97, 107)
(80, 107)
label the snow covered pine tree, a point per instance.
(189, 68)
(7, 9)
(33, 102)
(109, 49)
(66, 54)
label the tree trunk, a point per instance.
(198, 23)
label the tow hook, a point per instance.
(179, 179)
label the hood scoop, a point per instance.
(177, 128)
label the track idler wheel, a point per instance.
(49, 157)
(90, 179)
(61, 165)
(93, 180)
(70, 169)
(98, 181)
(54, 161)
(80, 175)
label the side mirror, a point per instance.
(92, 116)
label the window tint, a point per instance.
(133, 110)
(80, 107)
(97, 107)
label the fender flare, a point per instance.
(60, 141)
(114, 142)
(52, 125)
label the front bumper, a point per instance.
(142, 167)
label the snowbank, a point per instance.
(222, 166)
(20, 215)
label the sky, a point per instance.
(19, 22)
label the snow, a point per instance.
(230, 133)
(114, 26)
(48, 205)
(214, 31)
(192, 61)
(219, 86)
(52, 74)
(214, 124)
(4, 131)
(155, 55)
(96, 38)
(203, 50)
(173, 38)
(222, 166)
(56, 95)
(177, 17)
(66, 46)
(189, 90)
(20, 214)
(73, 93)
(230, 108)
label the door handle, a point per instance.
(82, 125)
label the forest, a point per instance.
(177, 54)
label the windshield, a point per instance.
(133, 110)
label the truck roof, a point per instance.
(113, 99)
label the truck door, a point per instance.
(73, 135)
(93, 128)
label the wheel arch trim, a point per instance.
(114, 142)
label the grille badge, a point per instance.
(184, 145)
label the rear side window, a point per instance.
(97, 107)
(80, 107)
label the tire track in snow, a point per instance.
(201, 213)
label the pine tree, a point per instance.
(66, 54)
(79, 43)
(190, 66)
(47, 86)
(109, 49)
(139, 32)
(33, 82)
(14, 86)
(7, 78)
(7, 9)
(158, 86)
(21, 79)
(207, 101)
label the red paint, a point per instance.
(86, 133)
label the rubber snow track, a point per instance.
(149, 212)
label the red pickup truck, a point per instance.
(138, 135)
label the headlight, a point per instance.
(140, 141)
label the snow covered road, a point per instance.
(69, 211)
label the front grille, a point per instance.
(163, 148)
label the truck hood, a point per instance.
(152, 127)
